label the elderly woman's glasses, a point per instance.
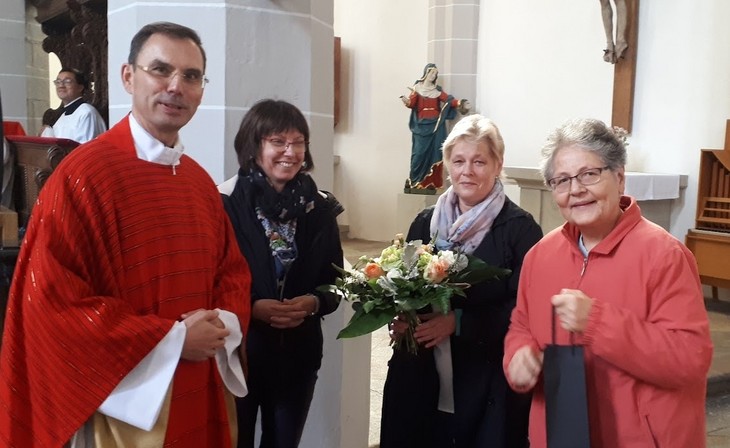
(586, 177)
(165, 72)
(281, 145)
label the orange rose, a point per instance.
(436, 271)
(373, 270)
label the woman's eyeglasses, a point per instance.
(281, 145)
(590, 176)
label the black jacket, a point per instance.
(318, 246)
(487, 412)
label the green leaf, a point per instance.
(369, 305)
(327, 288)
(410, 255)
(441, 299)
(478, 271)
(363, 323)
(341, 270)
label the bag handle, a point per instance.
(552, 317)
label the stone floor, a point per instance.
(380, 349)
(718, 381)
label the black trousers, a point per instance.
(284, 398)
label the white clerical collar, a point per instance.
(152, 150)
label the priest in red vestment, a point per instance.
(130, 296)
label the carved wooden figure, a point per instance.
(614, 47)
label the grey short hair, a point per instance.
(475, 128)
(590, 134)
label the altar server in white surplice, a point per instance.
(80, 120)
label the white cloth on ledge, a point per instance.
(652, 187)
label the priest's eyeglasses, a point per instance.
(587, 177)
(165, 72)
(63, 82)
(281, 145)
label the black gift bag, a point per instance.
(566, 403)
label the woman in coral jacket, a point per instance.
(627, 290)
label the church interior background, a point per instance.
(528, 65)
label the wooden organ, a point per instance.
(710, 240)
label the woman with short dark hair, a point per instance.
(286, 229)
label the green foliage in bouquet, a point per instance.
(405, 278)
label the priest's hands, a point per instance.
(205, 334)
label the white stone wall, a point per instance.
(384, 50)
(13, 80)
(453, 37)
(537, 65)
(38, 95)
(540, 65)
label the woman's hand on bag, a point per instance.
(436, 328)
(524, 368)
(572, 307)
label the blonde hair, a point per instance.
(477, 129)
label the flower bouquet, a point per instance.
(405, 278)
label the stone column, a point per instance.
(13, 81)
(256, 49)
(453, 27)
(39, 91)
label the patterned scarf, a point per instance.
(467, 230)
(278, 212)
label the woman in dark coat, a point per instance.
(287, 231)
(453, 393)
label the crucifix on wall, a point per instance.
(621, 52)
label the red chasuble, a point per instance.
(116, 249)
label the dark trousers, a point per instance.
(284, 399)
(444, 435)
(410, 399)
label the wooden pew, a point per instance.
(35, 158)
